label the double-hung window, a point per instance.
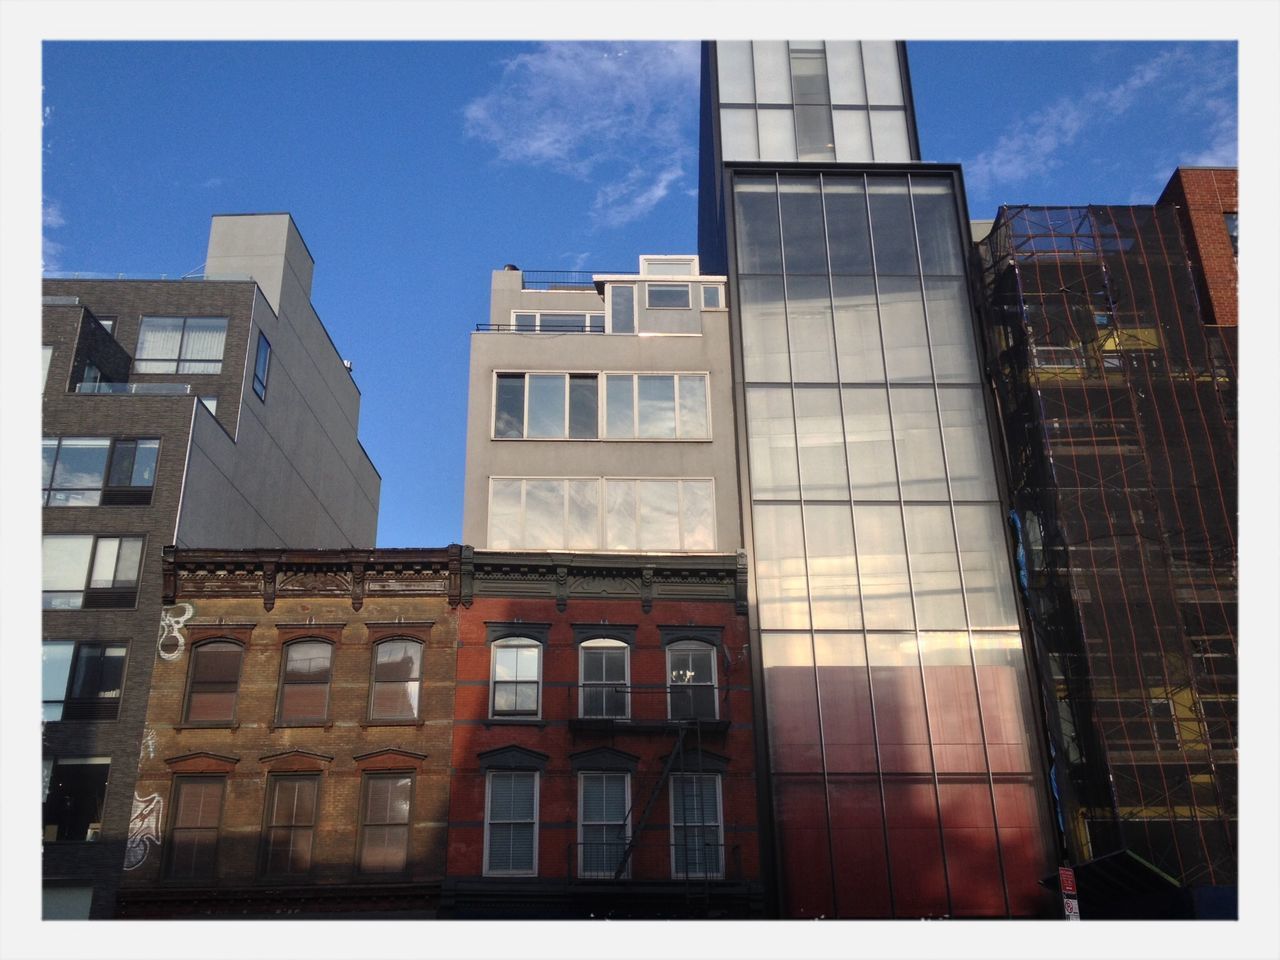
(604, 692)
(511, 823)
(397, 678)
(262, 366)
(691, 693)
(215, 680)
(697, 830)
(89, 572)
(82, 680)
(304, 687)
(89, 471)
(193, 840)
(290, 825)
(384, 822)
(75, 789)
(516, 677)
(604, 804)
(180, 345)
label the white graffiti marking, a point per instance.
(171, 627)
(148, 748)
(144, 829)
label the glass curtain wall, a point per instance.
(905, 778)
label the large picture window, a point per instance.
(556, 322)
(215, 679)
(384, 822)
(93, 471)
(569, 406)
(180, 345)
(290, 825)
(304, 687)
(82, 681)
(516, 677)
(90, 572)
(511, 823)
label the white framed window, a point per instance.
(85, 571)
(620, 307)
(669, 266)
(604, 824)
(659, 515)
(604, 666)
(667, 296)
(653, 406)
(180, 345)
(712, 296)
(570, 406)
(691, 681)
(546, 406)
(697, 827)
(516, 678)
(557, 321)
(511, 823)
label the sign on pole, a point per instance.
(1067, 882)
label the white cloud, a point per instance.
(579, 259)
(608, 113)
(52, 214)
(50, 219)
(1222, 149)
(213, 183)
(50, 255)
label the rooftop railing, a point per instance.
(560, 279)
(152, 389)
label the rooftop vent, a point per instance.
(511, 266)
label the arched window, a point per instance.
(516, 678)
(605, 672)
(214, 682)
(397, 678)
(304, 684)
(691, 673)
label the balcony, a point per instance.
(560, 279)
(135, 389)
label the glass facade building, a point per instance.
(906, 773)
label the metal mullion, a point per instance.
(955, 539)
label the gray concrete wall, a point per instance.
(586, 353)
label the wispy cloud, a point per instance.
(1222, 147)
(621, 116)
(577, 260)
(50, 219)
(213, 183)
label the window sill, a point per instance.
(392, 723)
(314, 724)
(515, 722)
(235, 725)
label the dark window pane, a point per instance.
(395, 700)
(508, 414)
(398, 660)
(847, 231)
(217, 662)
(304, 701)
(815, 139)
(893, 236)
(939, 233)
(809, 77)
(583, 407)
(563, 322)
(308, 660)
(73, 805)
(756, 213)
(208, 706)
(121, 474)
(623, 308)
(803, 233)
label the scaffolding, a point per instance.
(1117, 405)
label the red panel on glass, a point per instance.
(845, 694)
(900, 719)
(953, 719)
(802, 839)
(1006, 722)
(857, 840)
(792, 701)
(915, 850)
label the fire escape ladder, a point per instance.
(677, 752)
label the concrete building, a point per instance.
(905, 771)
(202, 412)
(1112, 336)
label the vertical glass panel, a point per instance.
(906, 345)
(964, 431)
(845, 697)
(55, 668)
(734, 71)
(658, 520)
(127, 562)
(815, 139)
(773, 71)
(756, 219)
(120, 473)
(159, 341)
(804, 839)
(940, 252)
(951, 331)
(901, 718)
(544, 514)
(508, 407)
(882, 566)
(202, 341)
(620, 408)
(657, 406)
(884, 78)
(738, 134)
(833, 570)
(622, 307)
(889, 136)
(813, 354)
(777, 133)
(46, 354)
(850, 240)
(78, 476)
(711, 298)
(546, 405)
(781, 594)
(505, 514)
(809, 75)
(772, 444)
(869, 440)
(918, 443)
(988, 584)
(844, 72)
(697, 515)
(49, 454)
(1006, 704)
(764, 329)
(857, 322)
(105, 554)
(852, 136)
(820, 441)
(791, 699)
(954, 724)
(891, 228)
(144, 463)
(583, 407)
(584, 515)
(693, 407)
(620, 515)
(935, 569)
(526, 322)
(803, 230)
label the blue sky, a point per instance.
(414, 169)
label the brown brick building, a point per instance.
(1208, 205)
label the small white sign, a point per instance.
(1071, 907)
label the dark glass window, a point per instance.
(804, 242)
(215, 678)
(815, 140)
(604, 678)
(696, 841)
(850, 239)
(691, 667)
(622, 301)
(193, 842)
(891, 229)
(82, 681)
(88, 471)
(261, 367)
(397, 678)
(384, 822)
(508, 411)
(304, 693)
(290, 826)
(756, 216)
(667, 296)
(74, 794)
(583, 407)
(511, 823)
(940, 253)
(1232, 220)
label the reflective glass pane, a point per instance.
(815, 139)
(144, 463)
(307, 660)
(934, 202)
(857, 323)
(66, 562)
(985, 560)
(845, 697)
(781, 592)
(833, 569)
(127, 562)
(964, 431)
(820, 441)
(122, 457)
(791, 700)
(951, 331)
(203, 338)
(870, 444)
(584, 515)
(844, 72)
(809, 76)
(906, 345)
(78, 476)
(918, 443)
(809, 324)
(526, 322)
(622, 307)
(803, 231)
(764, 329)
(659, 524)
(55, 669)
(738, 133)
(852, 136)
(619, 406)
(735, 71)
(583, 407)
(884, 78)
(159, 338)
(772, 71)
(935, 569)
(105, 553)
(546, 405)
(777, 133)
(668, 295)
(892, 233)
(882, 566)
(657, 406)
(772, 444)
(889, 136)
(846, 208)
(505, 514)
(620, 515)
(508, 412)
(697, 515)
(544, 514)
(49, 454)
(756, 219)
(693, 407)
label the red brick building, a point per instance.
(1208, 204)
(603, 747)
